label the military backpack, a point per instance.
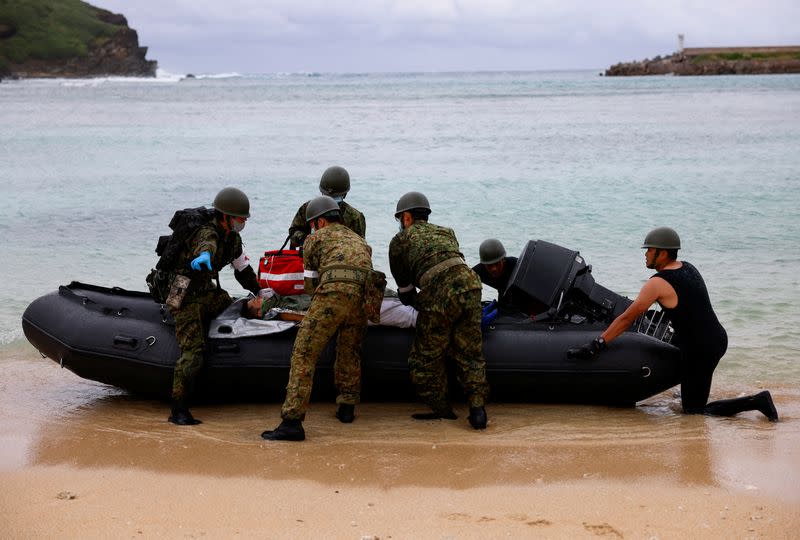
(170, 247)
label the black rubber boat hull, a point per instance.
(125, 339)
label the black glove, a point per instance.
(588, 351)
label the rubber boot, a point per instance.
(766, 406)
(761, 402)
(181, 416)
(346, 413)
(447, 414)
(287, 430)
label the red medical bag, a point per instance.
(282, 271)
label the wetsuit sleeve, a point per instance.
(311, 255)
(299, 229)
(482, 273)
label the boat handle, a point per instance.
(227, 347)
(125, 340)
(646, 372)
(150, 340)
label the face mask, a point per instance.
(237, 226)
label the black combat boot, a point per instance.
(288, 430)
(477, 417)
(346, 413)
(446, 414)
(181, 416)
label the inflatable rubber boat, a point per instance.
(125, 339)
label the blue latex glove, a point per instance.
(203, 259)
(488, 315)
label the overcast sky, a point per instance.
(265, 36)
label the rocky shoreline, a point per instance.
(118, 54)
(720, 61)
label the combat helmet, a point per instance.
(491, 251)
(412, 200)
(662, 238)
(233, 202)
(335, 182)
(320, 206)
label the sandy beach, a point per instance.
(80, 459)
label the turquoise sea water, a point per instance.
(91, 171)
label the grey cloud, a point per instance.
(361, 34)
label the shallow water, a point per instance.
(51, 417)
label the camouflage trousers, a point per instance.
(192, 320)
(329, 313)
(454, 333)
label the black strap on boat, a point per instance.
(108, 290)
(88, 303)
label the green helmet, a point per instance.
(233, 202)
(662, 238)
(334, 182)
(412, 201)
(319, 206)
(491, 251)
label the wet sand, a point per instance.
(80, 459)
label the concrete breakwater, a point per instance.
(715, 61)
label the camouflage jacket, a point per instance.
(351, 218)
(225, 248)
(420, 247)
(334, 245)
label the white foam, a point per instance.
(231, 75)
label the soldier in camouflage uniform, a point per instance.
(335, 183)
(209, 249)
(427, 256)
(336, 262)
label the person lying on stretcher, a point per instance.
(293, 308)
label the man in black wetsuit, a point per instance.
(495, 269)
(680, 290)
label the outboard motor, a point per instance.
(555, 283)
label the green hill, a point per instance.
(66, 38)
